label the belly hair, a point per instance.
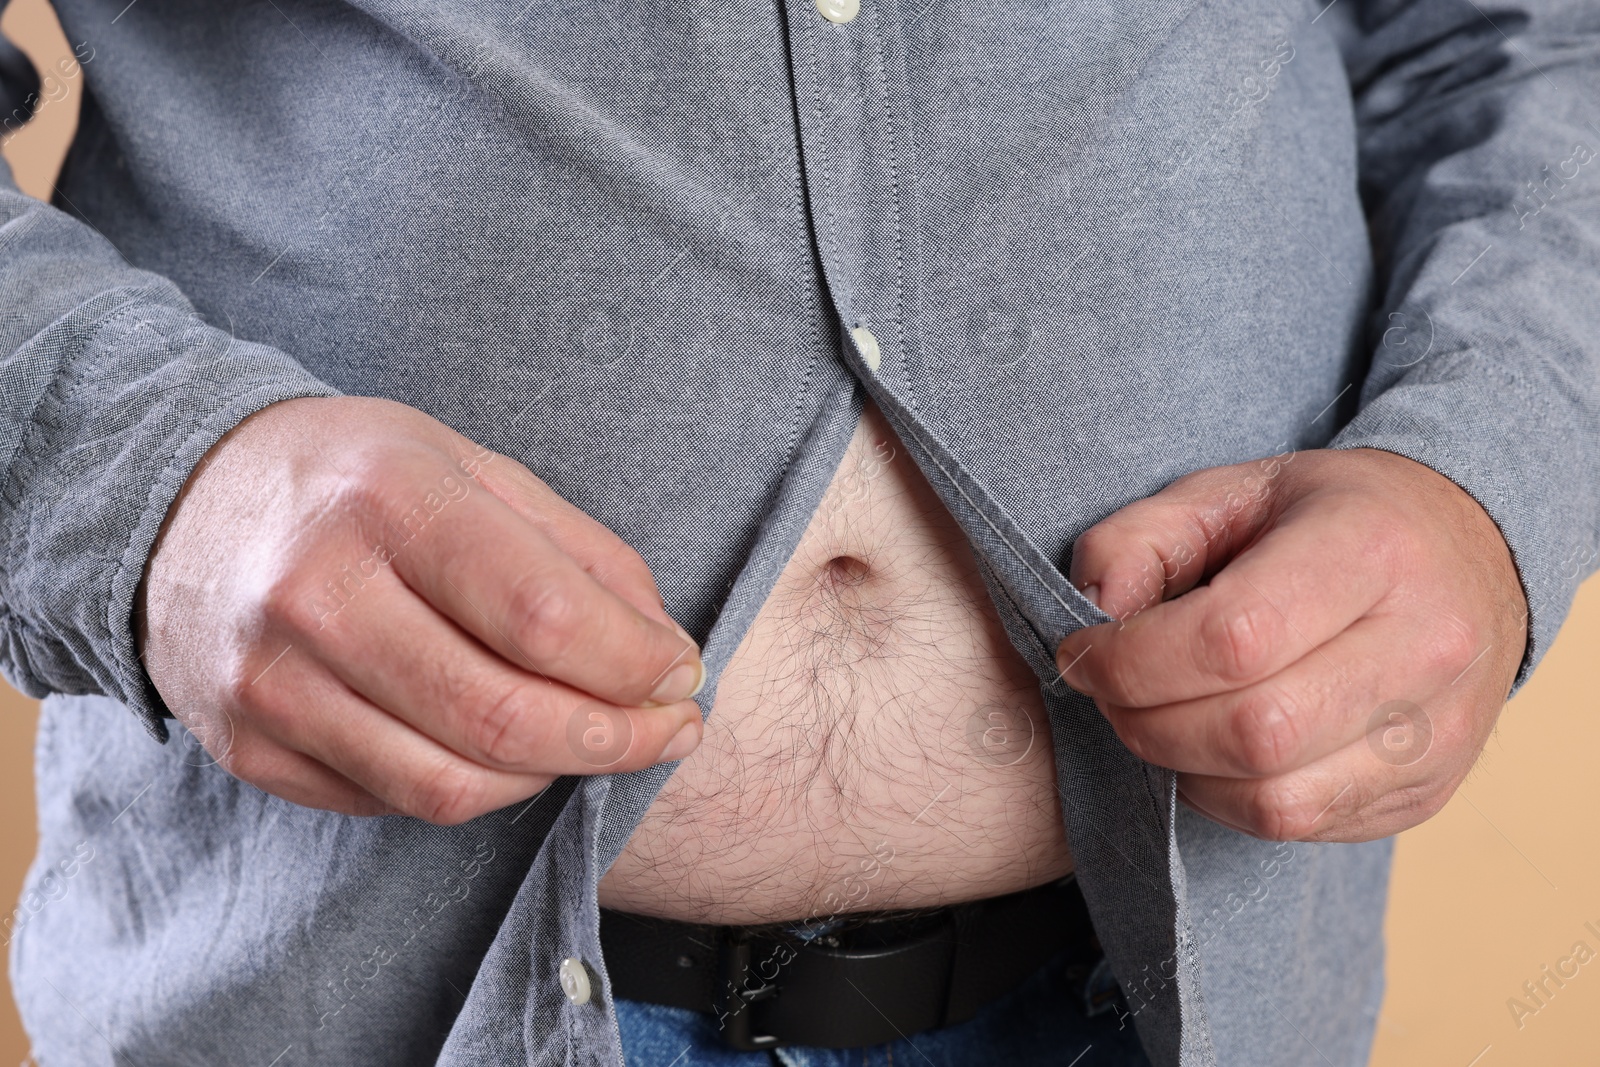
(859, 731)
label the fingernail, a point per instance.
(680, 683)
(1063, 665)
(1092, 592)
(685, 741)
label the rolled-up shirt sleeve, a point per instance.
(112, 387)
(1480, 173)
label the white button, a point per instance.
(839, 10)
(575, 980)
(868, 345)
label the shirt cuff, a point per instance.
(127, 395)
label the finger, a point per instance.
(609, 559)
(434, 676)
(1163, 545)
(1317, 705)
(293, 776)
(1354, 794)
(316, 714)
(502, 580)
(1321, 565)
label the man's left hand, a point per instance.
(1337, 675)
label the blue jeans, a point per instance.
(1045, 1022)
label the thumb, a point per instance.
(1164, 545)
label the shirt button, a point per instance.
(868, 345)
(575, 980)
(839, 10)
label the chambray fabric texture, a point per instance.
(1099, 246)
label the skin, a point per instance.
(1336, 581)
(446, 685)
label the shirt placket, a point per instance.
(851, 149)
(848, 79)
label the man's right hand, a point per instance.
(356, 608)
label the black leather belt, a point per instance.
(850, 981)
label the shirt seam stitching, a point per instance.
(898, 318)
(822, 149)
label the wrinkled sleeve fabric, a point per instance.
(1479, 131)
(111, 389)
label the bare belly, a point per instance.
(876, 741)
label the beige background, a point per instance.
(1494, 888)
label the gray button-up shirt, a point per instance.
(1096, 246)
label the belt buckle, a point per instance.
(734, 996)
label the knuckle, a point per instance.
(387, 486)
(1421, 803)
(238, 686)
(1277, 811)
(1390, 536)
(286, 603)
(1414, 805)
(370, 478)
(448, 795)
(293, 604)
(1096, 541)
(235, 686)
(1265, 733)
(1391, 543)
(497, 727)
(1124, 544)
(1451, 647)
(546, 613)
(246, 762)
(367, 485)
(1238, 642)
